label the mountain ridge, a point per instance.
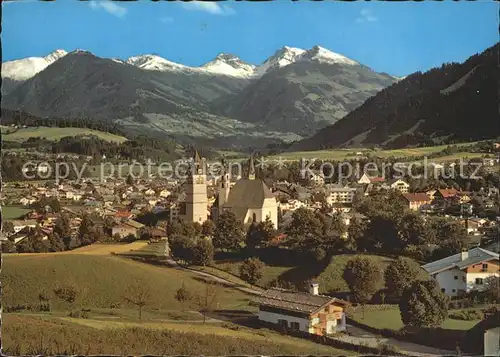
(454, 102)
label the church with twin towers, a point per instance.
(249, 198)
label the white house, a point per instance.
(464, 271)
(164, 193)
(340, 195)
(306, 312)
(492, 342)
(20, 225)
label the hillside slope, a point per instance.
(456, 102)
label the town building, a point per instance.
(417, 200)
(249, 199)
(195, 206)
(365, 179)
(340, 195)
(300, 311)
(465, 271)
(399, 185)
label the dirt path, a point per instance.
(359, 336)
(173, 264)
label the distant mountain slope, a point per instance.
(83, 84)
(456, 102)
(304, 91)
(293, 93)
(16, 72)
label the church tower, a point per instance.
(196, 192)
(224, 185)
(251, 169)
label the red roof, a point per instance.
(417, 197)
(448, 192)
(376, 179)
(123, 214)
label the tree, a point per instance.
(355, 232)
(181, 248)
(400, 275)
(130, 180)
(228, 232)
(423, 304)
(492, 291)
(174, 228)
(56, 244)
(251, 270)
(68, 293)
(203, 252)
(364, 278)
(207, 298)
(149, 219)
(260, 234)
(208, 228)
(63, 229)
(138, 294)
(8, 246)
(183, 295)
(304, 224)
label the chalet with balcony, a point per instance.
(465, 271)
(300, 311)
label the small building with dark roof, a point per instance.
(307, 312)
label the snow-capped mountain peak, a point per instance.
(155, 63)
(322, 55)
(23, 69)
(229, 65)
(281, 58)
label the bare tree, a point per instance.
(207, 298)
(139, 295)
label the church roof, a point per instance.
(248, 194)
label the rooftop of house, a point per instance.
(448, 192)
(248, 194)
(416, 197)
(460, 260)
(295, 301)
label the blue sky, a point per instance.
(397, 38)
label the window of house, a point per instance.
(443, 290)
(479, 281)
(254, 217)
(283, 323)
(456, 277)
(485, 266)
(453, 291)
(295, 326)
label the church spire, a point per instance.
(198, 165)
(251, 169)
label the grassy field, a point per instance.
(391, 319)
(269, 272)
(112, 326)
(343, 154)
(27, 335)
(331, 280)
(55, 134)
(103, 280)
(13, 212)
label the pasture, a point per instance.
(391, 319)
(13, 212)
(55, 134)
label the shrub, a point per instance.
(79, 314)
(467, 315)
(251, 270)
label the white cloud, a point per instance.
(109, 6)
(167, 20)
(209, 7)
(366, 15)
